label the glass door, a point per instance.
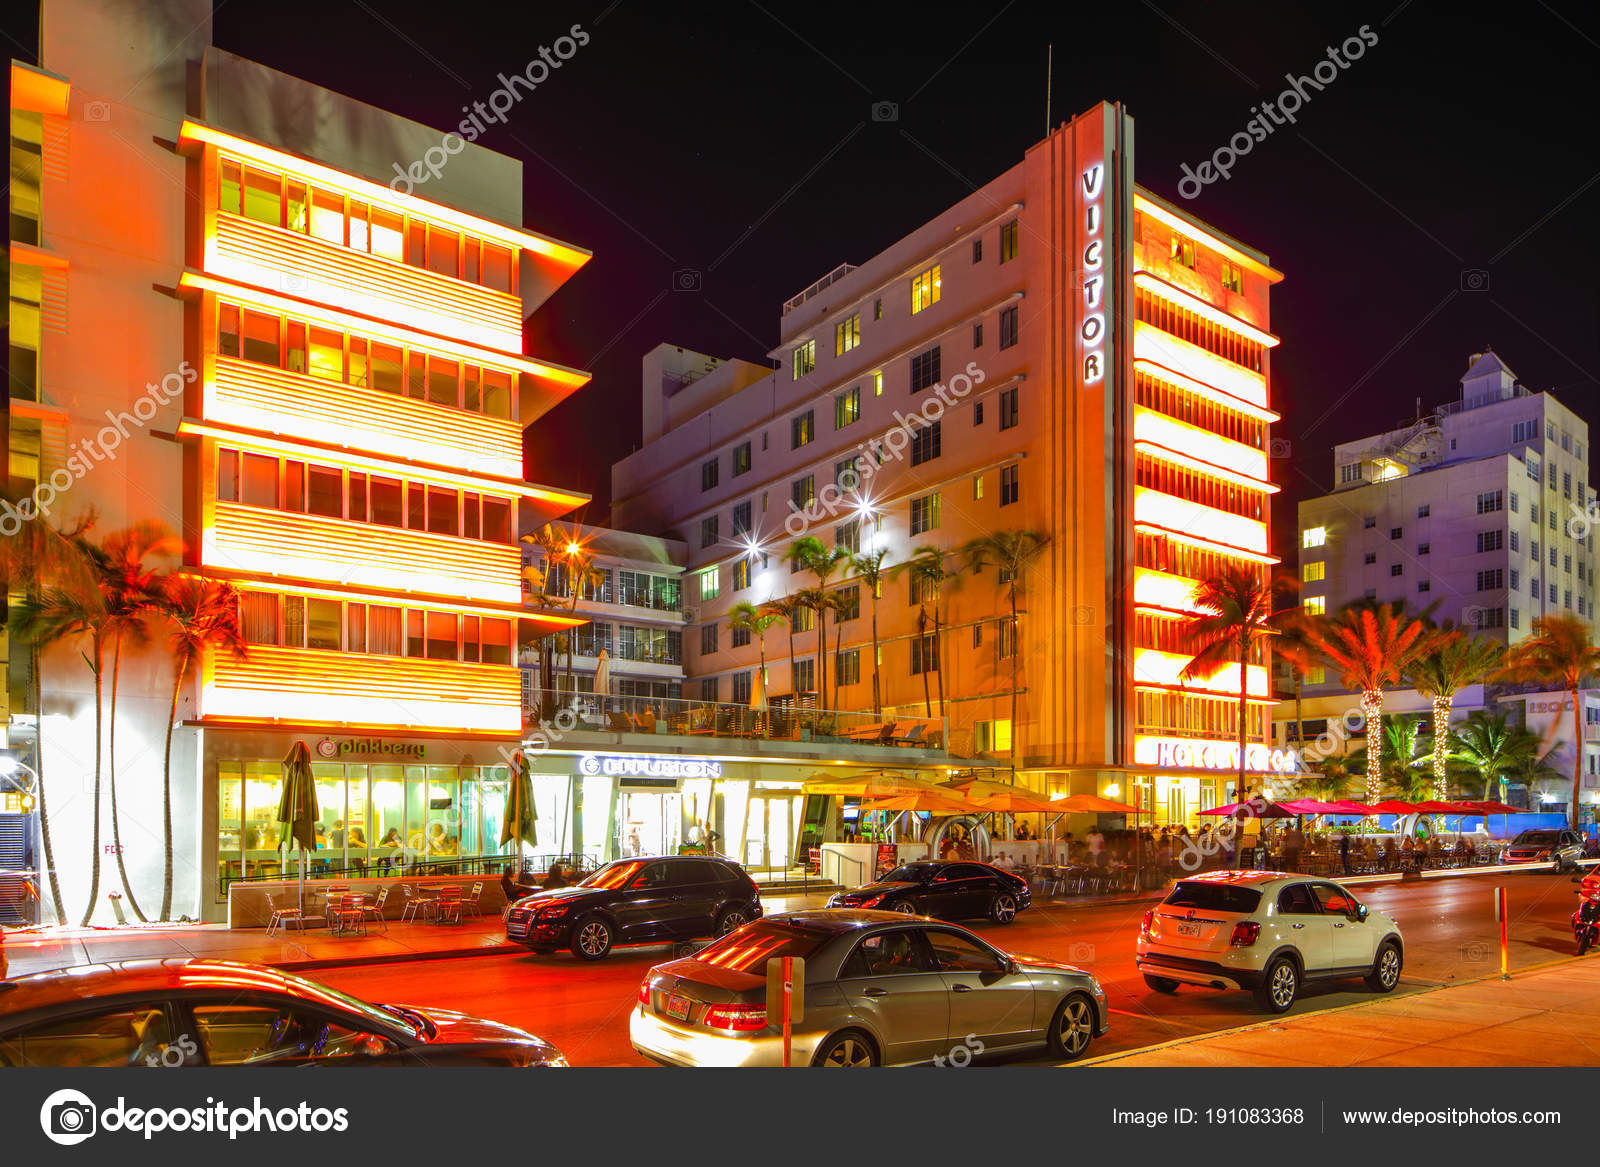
(769, 833)
(649, 824)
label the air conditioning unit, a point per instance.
(690, 615)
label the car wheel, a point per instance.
(1004, 908)
(1385, 974)
(730, 919)
(904, 907)
(846, 1051)
(1280, 984)
(1161, 984)
(1072, 1027)
(591, 939)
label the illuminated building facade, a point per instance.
(319, 385)
(1061, 352)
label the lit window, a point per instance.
(1316, 605)
(847, 407)
(1182, 252)
(925, 289)
(846, 335)
(708, 584)
(1312, 572)
(1232, 277)
(1314, 537)
(805, 359)
(1008, 241)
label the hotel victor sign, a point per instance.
(1190, 754)
(648, 766)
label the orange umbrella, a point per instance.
(1091, 804)
(1016, 801)
(936, 801)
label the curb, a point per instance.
(409, 957)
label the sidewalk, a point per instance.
(1547, 1016)
(40, 950)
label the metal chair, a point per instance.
(419, 905)
(347, 913)
(447, 908)
(283, 918)
(471, 904)
(374, 911)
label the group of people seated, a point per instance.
(556, 876)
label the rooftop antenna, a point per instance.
(1049, 66)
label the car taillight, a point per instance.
(739, 1018)
(1244, 935)
(1149, 919)
(644, 991)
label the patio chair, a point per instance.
(447, 909)
(419, 905)
(471, 903)
(345, 914)
(282, 918)
(373, 911)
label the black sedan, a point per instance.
(637, 901)
(956, 890)
(225, 1013)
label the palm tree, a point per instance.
(839, 606)
(558, 545)
(1293, 646)
(1235, 618)
(821, 561)
(785, 608)
(929, 575)
(1486, 746)
(132, 591)
(1558, 651)
(1372, 646)
(746, 617)
(869, 567)
(204, 616)
(1327, 781)
(1533, 771)
(1012, 553)
(1457, 661)
(39, 555)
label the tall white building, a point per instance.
(1481, 507)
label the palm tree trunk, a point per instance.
(794, 671)
(1372, 714)
(1244, 722)
(166, 793)
(1577, 760)
(822, 656)
(938, 649)
(877, 688)
(94, 835)
(38, 770)
(111, 766)
(1016, 660)
(1441, 730)
(927, 699)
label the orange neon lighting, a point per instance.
(1151, 666)
(1200, 466)
(308, 685)
(1182, 514)
(38, 91)
(1201, 389)
(192, 133)
(1154, 344)
(420, 472)
(1199, 444)
(1176, 536)
(382, 330)
(1157, 286)
(1145, 206)
(27, 255)
(373, 285)
(260, 397)
(268, 543)
(409, 600)
(1158, 589)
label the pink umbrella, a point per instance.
(1255, 808)
(1393, 806)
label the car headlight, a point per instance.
(873, 902)
(552, 911)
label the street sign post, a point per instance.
(786, 996)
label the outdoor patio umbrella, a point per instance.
(297, 808)
(521, 818)
(1489, 806)
(1392, 806)
(1258, 807)
(602, 679)
(1015, 801)
(1318, 806)
(874, 784)
(1090, 804)
(936, 801)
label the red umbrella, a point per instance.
(1255, 808)
(1490, 806)
(1317, 806)
(1346, 806)
(1436, 807)
(1393, 806)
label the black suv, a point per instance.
(956, 890)
(635, 901)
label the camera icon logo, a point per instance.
(1474, 279)
(686, 279)
(1080, 953)
(1083, 615)
(1279, 448)
(885, 111)
(68, 1117)
(1474, 952)
(97, 111)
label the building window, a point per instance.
(1312, 572)
(741, 574)
(1350, 472)
(925, 369)
(1370, 558)
(1182, 252)
(1369, 521)
(847, 536)
(977, 251)
(1010, 485)
(847, 407)
(845, 474)
(977, 413)
(847, 668)
(1395, 532)
(739, 637)
(925, 442)
(1424, 548)
(708, 639)
(1316, 605)
(877, 384)
(802, 429)
(1008, 241)
(741, 519)
(1008, 326)
(708, 530)
(708, 688)
(849, 604)
(1516, 579)
(805, 359)
(743, 682)
(1314, 537)
(741, 458)
(1397, 569)
(709, 583)
(1005, 640)
(1008, 408)
(877, 308)
(708, 474)
(977, 335)
(1515, 616)
(977, 488)
(925, 289)
(925, 654)
(805, 676)
(1232, 277)
(1490, 540)
(1524, 431)
(802, 620)
(846, 335)
(1423, 511)
(925, 513)
(1489, 502)
(803, 491)
(1514, 541)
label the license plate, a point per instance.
(1186, 929)
(678, 1007)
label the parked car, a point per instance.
(225, 1013)
(880, 989)
(1266, 931)
(953, 890)
(634, 901)
(1562, 847)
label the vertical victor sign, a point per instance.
(1092, 265)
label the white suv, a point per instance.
(1267, 931)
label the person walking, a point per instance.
(1344, 852)
(1097, 846)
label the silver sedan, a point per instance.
(881, 988)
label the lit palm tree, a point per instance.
(786, 608)
(929, 575)
(822, 561)
(1372, 646)
(203, 615)
(36, 556)
(1012, 553)
(1559, 650)
(869, 567)
(746, 617)
(1235, 618)
(1294, 648)
(1486, 747)
(1457, 661)
(1403, 752)
(132, 591)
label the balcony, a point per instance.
(385, 289)
(308, 686)
(1192, 518)
(1150, 425)
(1153, 344)
(1152, 667)
(271, 400)
(270, 543)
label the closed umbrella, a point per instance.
(521, 818)
(297, 808)
(758, 692)
(602, 679)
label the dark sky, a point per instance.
(736, 142)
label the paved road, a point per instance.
(1448, 925)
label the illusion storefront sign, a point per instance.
(1178, 753)
(648, 766)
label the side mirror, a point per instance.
(1361, 912)
(373, 1046)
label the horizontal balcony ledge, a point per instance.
(1149, 528)
(1176, 295)
(1201, 466)
(357, 593)
(435, 733)
(1221, 396)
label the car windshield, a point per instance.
(381, 1016)
(910, 873)
(1213, 897)
(748, 949)
(1540, 837)
(614, 875)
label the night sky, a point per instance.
(1439, 195)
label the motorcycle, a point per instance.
(1586, 920)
